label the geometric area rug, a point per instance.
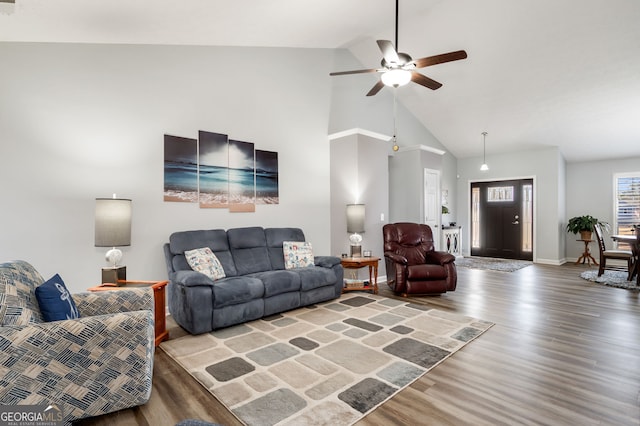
(330, 363)
(610, 278)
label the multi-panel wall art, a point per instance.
(218, 172)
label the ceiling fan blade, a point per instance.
(422, 80)
(388, 51)
(353, 72)
(375, 89)
(439, 59)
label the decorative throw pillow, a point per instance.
(205, 261)
(55, 301)
(297, 254)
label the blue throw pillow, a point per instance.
(55, 300)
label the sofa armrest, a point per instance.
(439, 257)
(326, 261)
(111, 302)
(190, 278)
(106, 360)
(396, 258)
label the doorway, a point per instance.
(432, 203)
(502, 219)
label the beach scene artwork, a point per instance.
(242, 176)
(214, 169)
(218, 172)
(180, 169)
(267, 177)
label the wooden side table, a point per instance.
(159, 302)
(586, 256)
(361, 262)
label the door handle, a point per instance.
(515, 223)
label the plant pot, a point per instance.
(585, 235)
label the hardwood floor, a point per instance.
(563, 351)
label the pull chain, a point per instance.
(395, 125)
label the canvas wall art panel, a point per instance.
(213, 172)
(180, 169)
(267, 177)
(242, 189)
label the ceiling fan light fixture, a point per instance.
(396, 77)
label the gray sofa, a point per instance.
(256, 283)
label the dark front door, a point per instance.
(502, 219)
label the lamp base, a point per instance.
(113, 274)
(356, 251)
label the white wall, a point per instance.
(80, 121)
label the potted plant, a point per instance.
(584, 225)
(446, 217)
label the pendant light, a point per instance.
(484, 166)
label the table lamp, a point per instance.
(113, 229)
(355, 226)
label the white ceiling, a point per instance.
(540, 73)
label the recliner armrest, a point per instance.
(396, 258)
(190, 278)
(439, 257)
(111, 302)
(326, 261)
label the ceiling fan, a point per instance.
(399, 68)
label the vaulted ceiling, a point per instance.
(539, 73)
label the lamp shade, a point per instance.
(113, 222)
(355, 218)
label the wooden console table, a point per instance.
(361, 262)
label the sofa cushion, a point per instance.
(249, 249)
(276, 282)
(55, 301)
(236, 290)
(275, 238)
(315, 277)
(297, 254)
(203, 260)
(215, 239)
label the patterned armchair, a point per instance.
(97, 364)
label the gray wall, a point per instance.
(406, 171)
(590, 191)
(80, 121)
(545, 167)
(359, 175)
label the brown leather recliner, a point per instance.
(413, 265)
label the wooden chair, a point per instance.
(613, 254)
